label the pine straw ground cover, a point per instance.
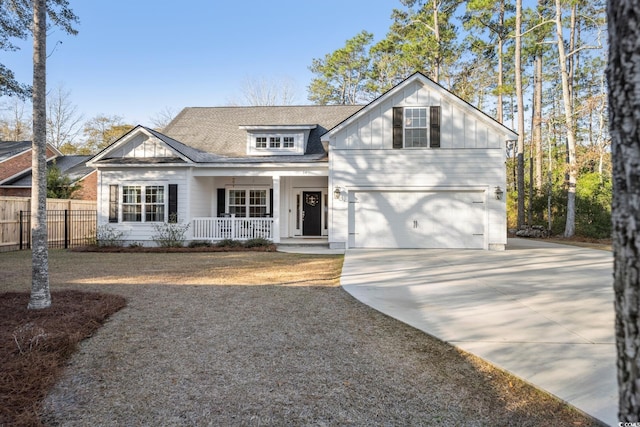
(35, 344)
(260, 339)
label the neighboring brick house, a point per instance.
(15, 158)
(15, 170)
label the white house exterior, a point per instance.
(331, 172)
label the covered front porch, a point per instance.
(270, 206)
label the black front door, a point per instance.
(312, 213)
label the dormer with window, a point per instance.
(277, 140)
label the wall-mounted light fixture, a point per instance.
(337, 193)
(499, 193)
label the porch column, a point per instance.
(275, 209)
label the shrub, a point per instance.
(257, 242)
(200, 244)
(106, 235)
(170, 234)
(229, 243)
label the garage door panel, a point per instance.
(419, 219)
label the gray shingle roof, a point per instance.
(11, 148)
(216, 130)
(73, 166)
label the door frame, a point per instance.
(297, 205)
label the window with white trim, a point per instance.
(415, 127)
(154, 203)
(274, 142)
(150, 208)
(249, 203)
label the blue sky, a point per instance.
(135, 58)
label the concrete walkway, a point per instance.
(541, 311)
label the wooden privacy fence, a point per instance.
(69, 222)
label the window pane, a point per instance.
(274, 142)
(415, 117)
(131, 203)
(237, 197)
(261, 142)
(154, 203)
(154, 213)
(288, 142)
(415, 127)
(237, 202)
(257, 203)
(416, 138)
(131, 194)
(132, 213)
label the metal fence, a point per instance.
(65, 228)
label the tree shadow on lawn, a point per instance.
(290, 352)
(280, 354)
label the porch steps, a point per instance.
(309, 246)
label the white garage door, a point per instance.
(439, 219)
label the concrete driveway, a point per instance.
(541, 311)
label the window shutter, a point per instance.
(270, 202)
(113, 203)
(220, 201)
(173, 203)
(397, 127)
(434, 136)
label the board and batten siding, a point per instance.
(461, 125)
(140, 231)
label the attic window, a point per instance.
(274, 142)
(416, 127)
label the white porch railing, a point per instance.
(232, 228)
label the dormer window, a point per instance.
(261, 142)
(275, 140)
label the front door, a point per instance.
(311, 213)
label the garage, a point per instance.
(418, 219)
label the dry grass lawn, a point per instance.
(259, 338)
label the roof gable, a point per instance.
(142, 144)
(420, 78)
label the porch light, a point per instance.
(337, 193)
(499, 193)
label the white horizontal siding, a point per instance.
(421, 170)
(417, 167)
(134, 231)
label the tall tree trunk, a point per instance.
(500, 108)
(40, 295)
(570, 224)
(436, 34)
(536, 134)
(520, 102)
(623, 77)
